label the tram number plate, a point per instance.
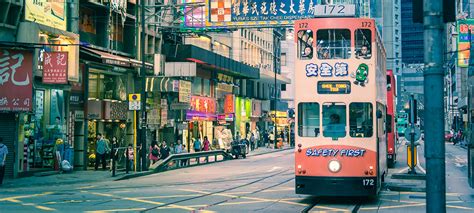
(368, 182)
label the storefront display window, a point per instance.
(197, 86)
(110, 87)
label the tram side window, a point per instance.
(308, 119)
(361, 120)
(363, 43)
(333, 44)
(334, 120)
(305, 44)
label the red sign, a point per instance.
(55, 68)
(203, 104)
(229, 104)
(16, 81)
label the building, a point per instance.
(288, 55)
(392, 36)
(412, 42)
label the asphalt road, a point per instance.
(263, 183)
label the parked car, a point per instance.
(448, 136)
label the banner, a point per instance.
(55, 67)
(16, 81)
(48, 13)
(463, 43)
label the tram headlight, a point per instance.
(334, 166)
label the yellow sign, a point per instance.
(334, 87)
(279, 114)
(133, 97)
(50, 13)
(184, 91)
(409, 156)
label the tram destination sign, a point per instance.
(334, 87)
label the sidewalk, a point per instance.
(74, 177)
(90, 176)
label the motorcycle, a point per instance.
(239, 148)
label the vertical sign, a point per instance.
(134, 102)
(184, 91)
(229, 104)
(463, 41)
(55, 67)
(16, 82)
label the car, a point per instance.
(448, 136)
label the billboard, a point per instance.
(463, 41)
(228, 13)
(16, 80)
(48, 13)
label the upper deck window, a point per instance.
(363, 43)
(305, 44)
(334, 44)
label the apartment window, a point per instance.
(283, 87)
(283, 59)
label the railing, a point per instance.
(182, 160)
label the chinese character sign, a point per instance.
(55, 67)
(464, 26)
(203, 104)
(256, 12)
(16, 81)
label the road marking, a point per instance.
(165, 196)
(403, 170)
(398, 201)
(418, 165)
(139, 200)
(459, 207)
(246, 197)
(86, 187)
(25, 196)
(392, 207)
(44, 208)
(117, 210)
(274, 168)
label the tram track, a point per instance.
(331, 205)
(284, 172)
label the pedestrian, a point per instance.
(206, 144)
(197, 145)
(154, 154)
(3, 158)
(129, 157)
(178, 149)
(102, 148)
(114, 153)
(164, 150)
(252, 141)
(282, 136)
(265, 138)
(271, 137)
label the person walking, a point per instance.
(3, 158)
(102, 148)
(206, 144)
(271, 137)
(154, 152)
(265, 138)
(128, 158)
(178, 149)
(252, 142)
(164, 151)
(197, 145)
(114, 154)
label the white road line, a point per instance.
(418, 165)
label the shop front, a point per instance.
(200, 118)
(243, 110)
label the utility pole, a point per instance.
(143, 88)
(434, 114)
(412, 121)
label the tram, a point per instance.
(402, 123)
(340, 98)
(391, 129)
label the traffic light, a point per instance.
(449, 11)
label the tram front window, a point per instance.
(308, 119)
(360, 120)
(333, 44)
(334, 120)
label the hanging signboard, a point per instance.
(55, 67)
(463, 43)
(16, 81)
(134, 102)
(184, 91)
(48, 13)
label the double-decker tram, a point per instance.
(391, 129)
(340, 94)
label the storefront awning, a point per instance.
(109, 58)
(162, 84)
(211, 60)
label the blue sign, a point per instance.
(335, 152)
(340, 69)
(241, 12)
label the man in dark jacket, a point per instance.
(164, 150)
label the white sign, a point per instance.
(134, 102)
(335, 10)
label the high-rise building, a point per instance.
(412, 39)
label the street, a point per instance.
(263, 183)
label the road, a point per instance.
(263, 183)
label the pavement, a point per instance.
(89, 176)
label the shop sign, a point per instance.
(16, 81)
(48, 13)
(229, 104)
(225, 117)
(225, 78)
(464, 41)
(227, 88)
(55, 67)
(115, 111)
(203, 104)
(182, 126)
(70, 130)
(179, 106)
(184, 91)
(79, 114)
(279, 114)
(256, 108)
(199, 116)
(94, 110)
(76, 99)
(153, 116)
(164, 111)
